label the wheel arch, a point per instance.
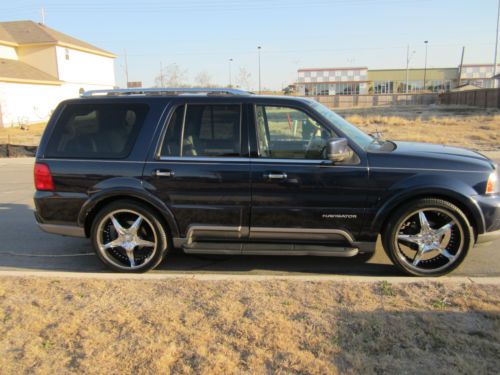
(465, 203)
(98, 201)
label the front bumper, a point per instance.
(490, 207)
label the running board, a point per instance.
(269, 249)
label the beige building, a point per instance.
(364, 81)
(40, 66)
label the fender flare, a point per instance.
(455, 190)
(134, 192)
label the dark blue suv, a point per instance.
(221, 171)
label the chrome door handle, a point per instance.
(276, 176)
(160, 173)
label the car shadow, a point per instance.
(24, 246)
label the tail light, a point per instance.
(43, 178)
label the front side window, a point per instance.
(204, 131)
(96, 131)
(288, 133)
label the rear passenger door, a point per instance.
(200, 169)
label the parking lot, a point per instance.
(24, 247)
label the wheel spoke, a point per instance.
(144, 243)
(118, 227)
(418, 256)
(135, 226)
(445, 229)
(447, 254)
(130, 254)
(424, 223)
(112, 244)
(413, 238)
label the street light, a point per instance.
(230, 80)
(258, 50)
(425, 66)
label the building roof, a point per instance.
(17, 71)
(21, 33)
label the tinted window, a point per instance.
(209, 131)
(96, 131)
(172, 141)
(288, 133)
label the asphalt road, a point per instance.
(24, 247)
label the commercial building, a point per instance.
(40, 66)
(362, 81)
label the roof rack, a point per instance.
(164, 91)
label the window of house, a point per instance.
(288, 133)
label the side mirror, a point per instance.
(338, 149)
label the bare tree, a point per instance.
(243, 79)
(171, 75)
(203, 79)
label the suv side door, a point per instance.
(297, 194)
(200, 170)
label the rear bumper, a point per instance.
(63, 230)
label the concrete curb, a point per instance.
(232, 277)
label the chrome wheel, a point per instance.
(126, 239)
(429, 240)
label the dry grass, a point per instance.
(204, 327)
(474, 128)
(17, 136)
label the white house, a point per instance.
(40, 66)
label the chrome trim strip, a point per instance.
(198, 159)
(64, 230)
(298, 233)
(215, 231)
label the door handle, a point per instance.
(163, 173)
(275, 176)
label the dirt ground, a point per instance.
(475, 128)
(187, 326)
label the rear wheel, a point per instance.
(129, 237)
(428, 237)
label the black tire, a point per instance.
(404, 232)
(151, 228)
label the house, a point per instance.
(40, 66)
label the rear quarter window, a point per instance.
(96, 131)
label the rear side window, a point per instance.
(96, 131)
(204, 131)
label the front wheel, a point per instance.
(129, 237)
(427, 237)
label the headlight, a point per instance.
(492, 184)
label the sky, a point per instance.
(200, 36)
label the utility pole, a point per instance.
(496, 48)
(42, 14)
(260, 87)
(126, 68)
(425, 66)
(408, 58)
(461, 67)
(230, 80)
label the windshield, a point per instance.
(360, 138)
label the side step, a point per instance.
(269, 249)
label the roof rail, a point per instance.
(163, 91)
